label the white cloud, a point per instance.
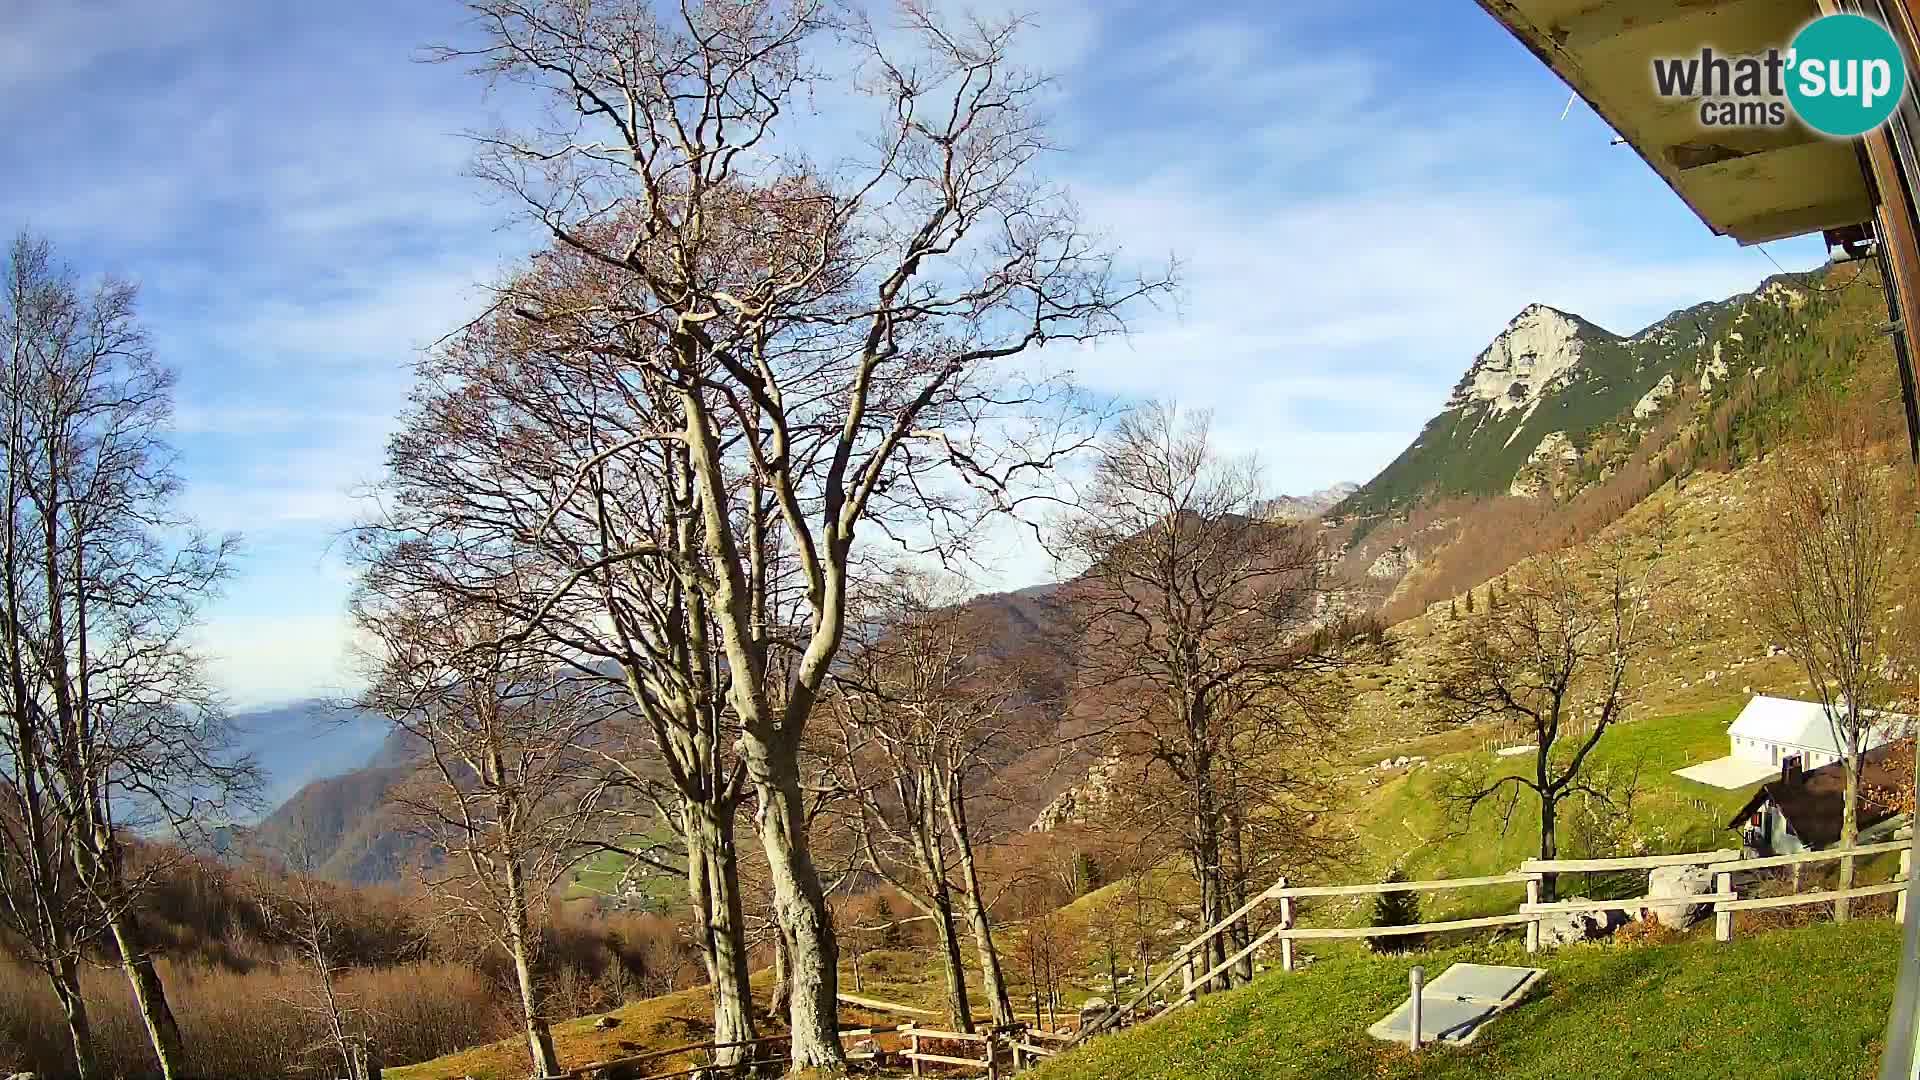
(272, 659)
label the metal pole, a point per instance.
(1417, 978)
(1901, 1060)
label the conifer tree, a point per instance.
(1397, 908)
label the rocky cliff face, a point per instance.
(1534, 356)
(1084, 801)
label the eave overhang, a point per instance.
(1753, 184)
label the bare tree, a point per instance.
(506, 784)
(1556, 658)
(303, 914)
(833, 339)
(1215, 640)
(1827, 543)
(112, 729)
(45, 908)
(1046, 945)
(526, 459)
(923, 718)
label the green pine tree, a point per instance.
(1397, 908)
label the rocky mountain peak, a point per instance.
(1536, 354)
(1301, 507)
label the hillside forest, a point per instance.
(693, 722)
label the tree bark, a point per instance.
(993, 980)
(1236, 852)
(1549, 846)
(782, 994)
(539, 1036)
(149, 996)
(65, 977)
(1849, 836)
(800, 903)
(720, 924)
(959, 1010)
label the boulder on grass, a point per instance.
(1677, 883)
(1568, 927)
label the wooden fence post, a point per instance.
(1286, 923)
(1286, 943)
(1186, 975)
(1533, 925)
(1722, 918)
(993, 1063)
(1906, 874)
(913, 1047)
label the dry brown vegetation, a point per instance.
(245, 1025)
(417, 987)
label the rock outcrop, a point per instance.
(1566, 928)
(1083, 801)
(1677, 883)
(1529, 359)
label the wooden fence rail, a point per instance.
(1724, 900)
(1029, 1045)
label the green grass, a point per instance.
(1408, 821)
(601, 874)
(1788, 1005)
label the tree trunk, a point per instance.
(782, 994)
(1849, 836)
(993, 980)
(959, 1010)
(1205, 851)
(1206, 870)
(801, 905)
(64, 974)
(539, 1036)
(1549, 846)
(149, 996)
(1241, 934)
(713, 881)
(1033, 977)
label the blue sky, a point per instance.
(1361, 196)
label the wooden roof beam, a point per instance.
(1600, 23)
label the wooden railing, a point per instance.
(1725, 900)
(1021, 1043)
(1026, 1045)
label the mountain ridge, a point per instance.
(1525, 411)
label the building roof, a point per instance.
(1814, 801)
(1754, 184)
(1804, 725)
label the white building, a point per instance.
(1771, 730)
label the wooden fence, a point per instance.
(1725, 900)
(1023, 1046)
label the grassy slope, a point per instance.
(1689, 1009)
(1409, 823)
(659, 1022)
(675, 1019)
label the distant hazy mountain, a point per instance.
(306, 741)
(1301, 507)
